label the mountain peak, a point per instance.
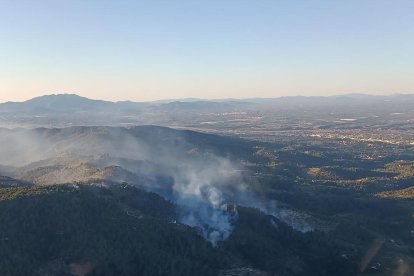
(60, 97)
(56, 102)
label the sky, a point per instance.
(153, 49)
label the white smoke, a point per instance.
(203, 185)
(200, 192)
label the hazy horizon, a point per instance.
(154, 50)
(198, 98)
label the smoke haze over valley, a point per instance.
(269, 184)
(181, 166)
(206, 138)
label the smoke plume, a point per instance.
(178, 165)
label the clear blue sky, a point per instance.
(144, 50)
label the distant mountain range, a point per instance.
(73, 102)
(65, 110)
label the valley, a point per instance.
(252, 195)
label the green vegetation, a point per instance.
(117, 229)
(352, 193)
(42, 227)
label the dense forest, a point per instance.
(121, 230)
